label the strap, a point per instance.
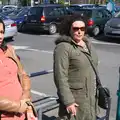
(95, 71)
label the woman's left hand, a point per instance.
(30, 115)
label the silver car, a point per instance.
(112, 27)
(10, 27)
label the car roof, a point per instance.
(82, 5)
(48, 5)
(94, 8)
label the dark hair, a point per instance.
(3, 45)
(65, 26)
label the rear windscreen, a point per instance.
(35, 11)
(87, 13)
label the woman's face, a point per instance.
(77, 30)
(1, 33)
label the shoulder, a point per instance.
(10, 47)
(62, 47)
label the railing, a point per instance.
(47, 103)
(51, 102)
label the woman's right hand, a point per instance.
(72, 109)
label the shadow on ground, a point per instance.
(34, 32)
(101, 37)
(45, 117)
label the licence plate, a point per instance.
(116, 32)
(33, 21)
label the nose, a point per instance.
(79, 31)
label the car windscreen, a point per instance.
(117, 15)
(22, 12)
(83, 12)
(35, 11)
(3, 17)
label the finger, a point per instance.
(76, 105)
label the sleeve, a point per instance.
(61, 66)
(23, 77)
(8, 105)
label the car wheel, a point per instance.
(96, 31)
(52, 29)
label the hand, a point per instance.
(23, 106)
(72, 109)
(30, 115)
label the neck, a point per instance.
(81, 43)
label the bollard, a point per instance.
(118, 101)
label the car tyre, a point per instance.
(52, 29)
(96, 31)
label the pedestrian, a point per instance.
(15, 99)
(73, 75)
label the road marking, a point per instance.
(39, 93)
(42, 94)
(20, 47)
(104, 43)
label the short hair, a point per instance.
(65, 26)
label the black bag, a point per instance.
(103, 92)
(103, 97)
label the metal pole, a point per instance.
(118, 102)
(39, 113)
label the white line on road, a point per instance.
(39, 93)
(42, 94)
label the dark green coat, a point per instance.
(74, 77)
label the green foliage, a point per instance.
(61, 2)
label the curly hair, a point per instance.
(65, 26)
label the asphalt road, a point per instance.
(36, 53)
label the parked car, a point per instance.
(46, 17)
(112, 27)
(10, 27)
(96, 19)
(75, 7)
(20, 17)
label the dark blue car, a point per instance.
(20, 17)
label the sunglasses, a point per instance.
(1, 31)
(78, 28)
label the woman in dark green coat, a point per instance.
(73, 75)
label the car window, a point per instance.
(107, 13)
(35, 11)
(99, 14)
(50, 11)
(87, 13)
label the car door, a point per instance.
(107, 15)
(99, 18)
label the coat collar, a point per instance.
(68, 39)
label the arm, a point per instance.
(61, 66)
(23, 77)
(25, 81)
(12, 106)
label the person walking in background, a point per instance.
(73, 75)
(14, 84)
